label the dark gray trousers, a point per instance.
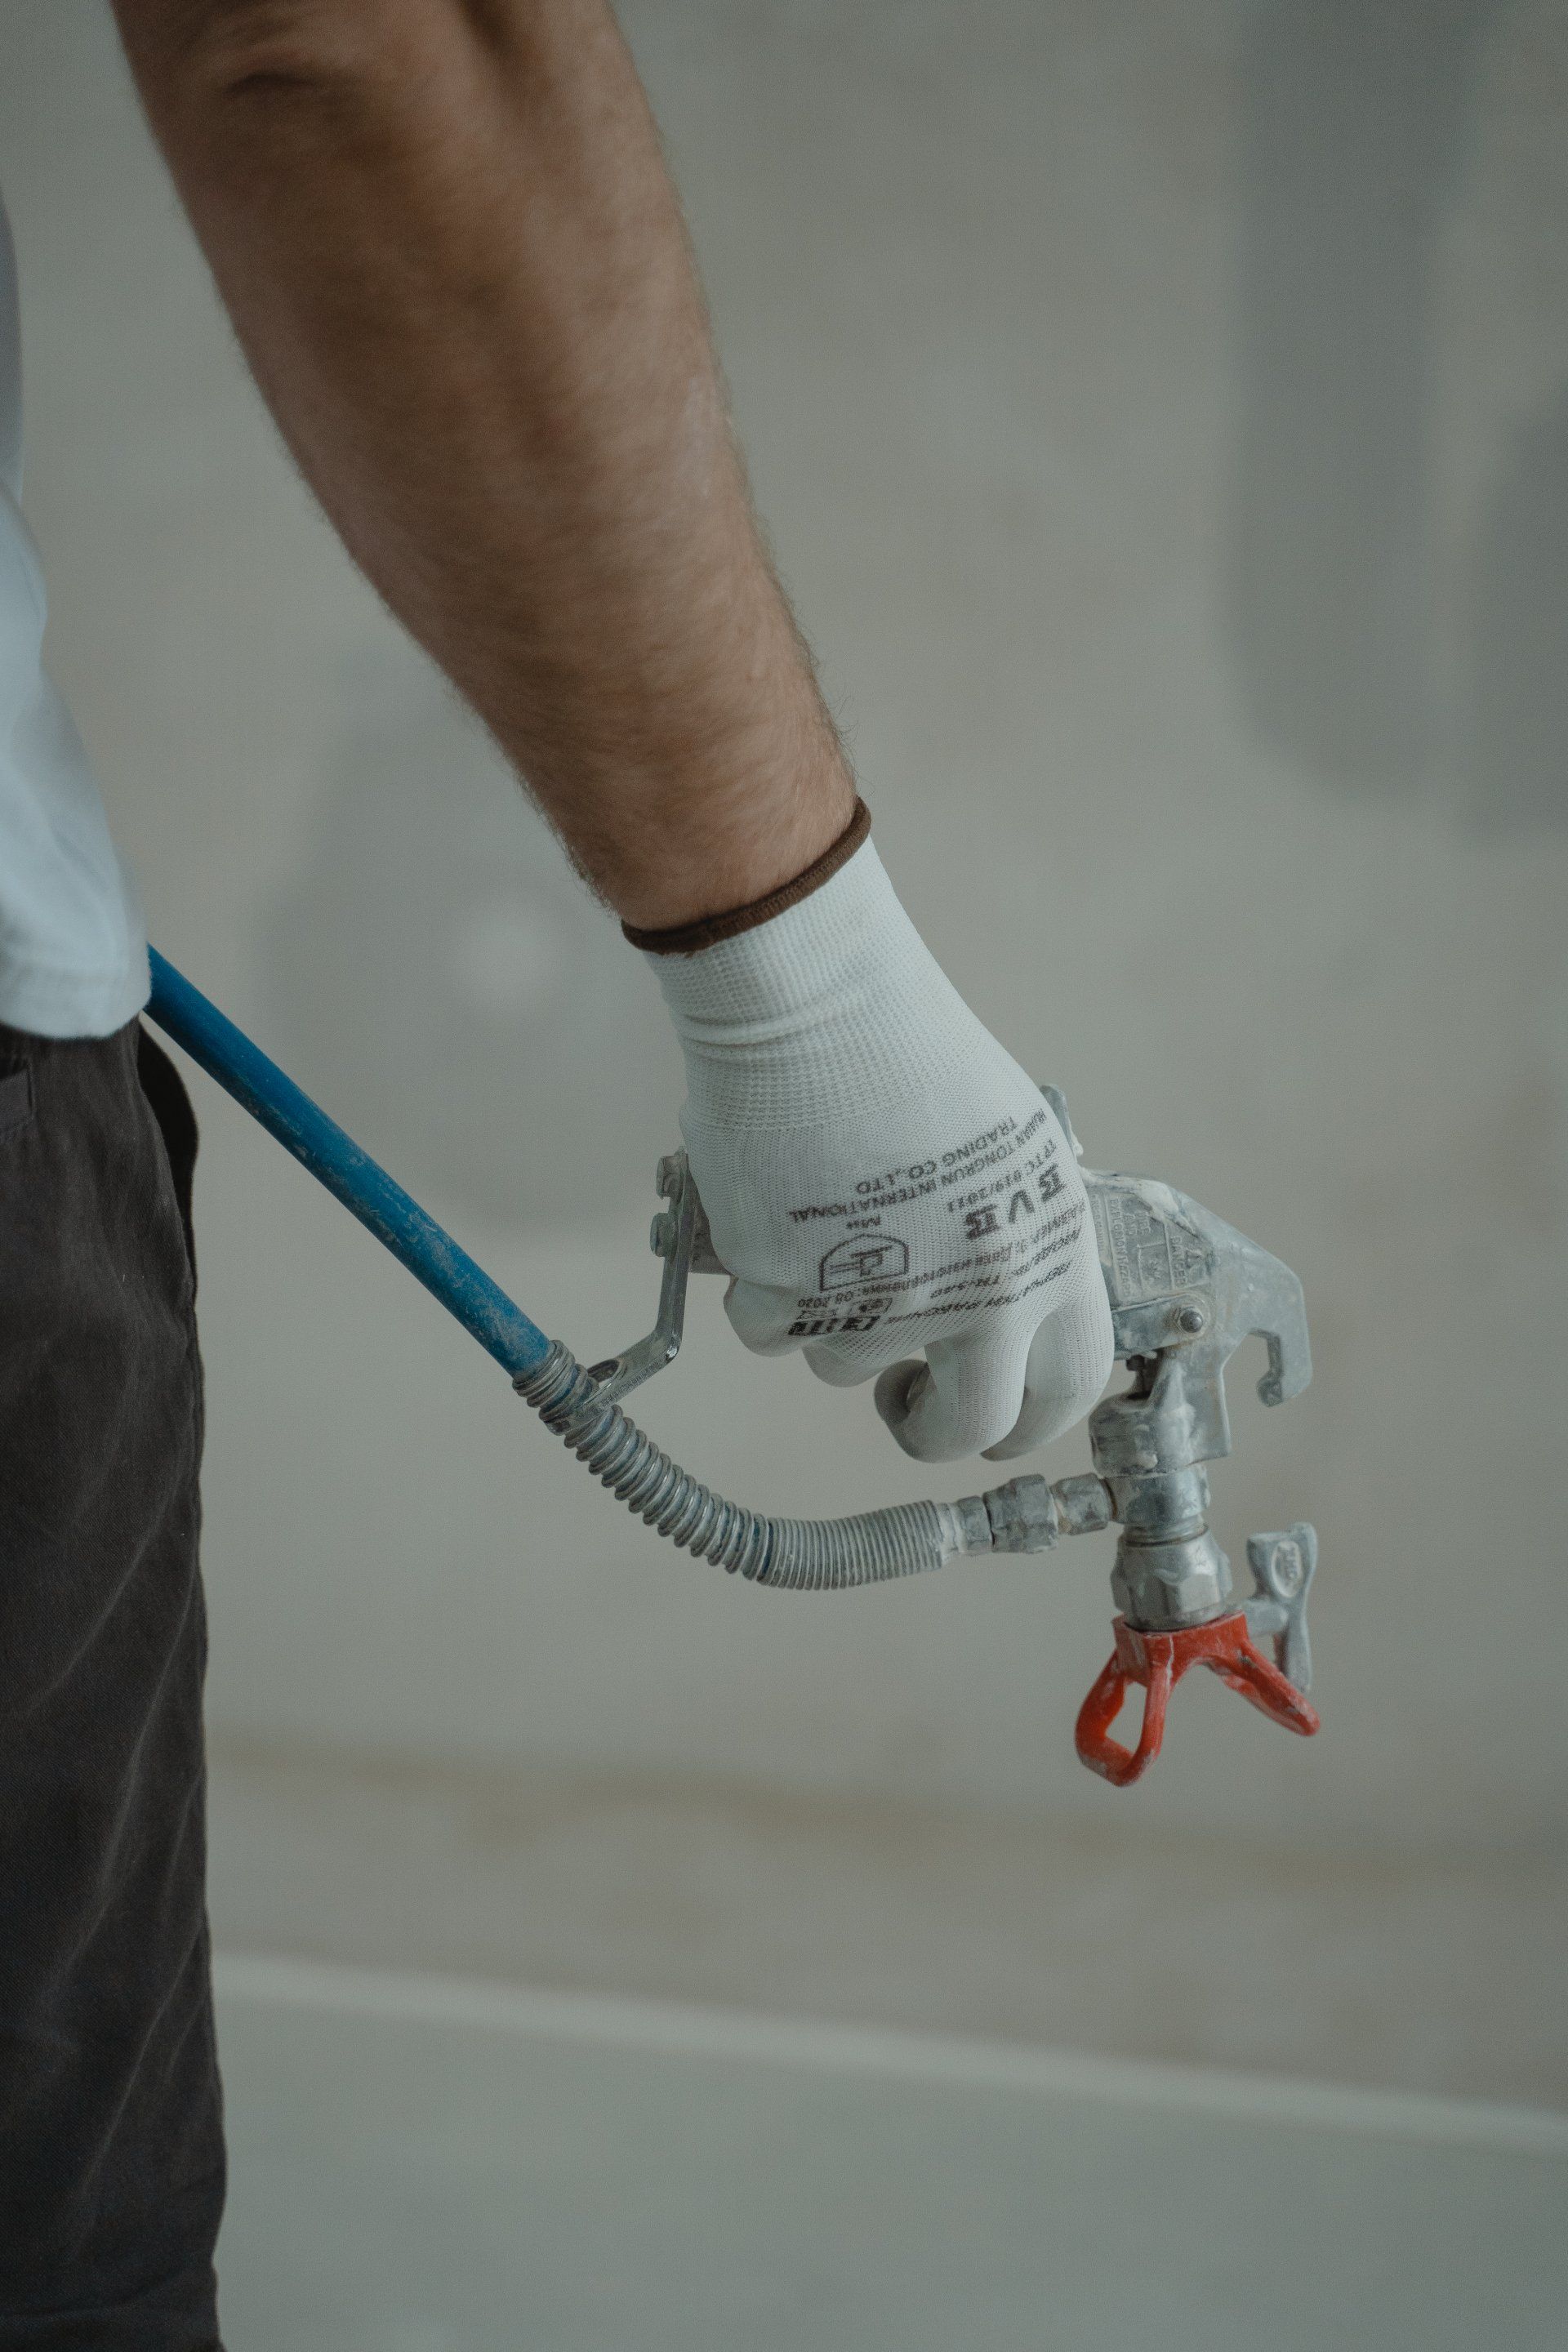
(111, 2164)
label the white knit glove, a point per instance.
(882, 1179)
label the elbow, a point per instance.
(215, 53)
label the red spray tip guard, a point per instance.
(1158, 1661)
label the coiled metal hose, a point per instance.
(791, 1555)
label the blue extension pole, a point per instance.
(318, 1142)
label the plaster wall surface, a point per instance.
(1161, 416)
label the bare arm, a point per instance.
(447, 238)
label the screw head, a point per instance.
(1189, 1318)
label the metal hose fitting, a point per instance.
(789, 1555)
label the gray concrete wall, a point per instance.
(1163, 417)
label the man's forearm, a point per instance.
(450, 248)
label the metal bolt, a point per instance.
(1189, 1318)
(661, 1234)
(669, 1174)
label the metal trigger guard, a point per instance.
(679, 1235)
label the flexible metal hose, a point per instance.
(792, 1555)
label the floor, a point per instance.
(1440, 1974)
(425, 2166)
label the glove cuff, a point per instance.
(690, 939)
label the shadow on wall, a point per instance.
(1356, 114)
(442, 978)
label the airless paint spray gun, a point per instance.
(1185, 1290)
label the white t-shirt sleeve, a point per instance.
(73, 954)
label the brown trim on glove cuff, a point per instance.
(690, 939)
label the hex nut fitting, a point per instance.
(1023, 1515)
(1084, 1505)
